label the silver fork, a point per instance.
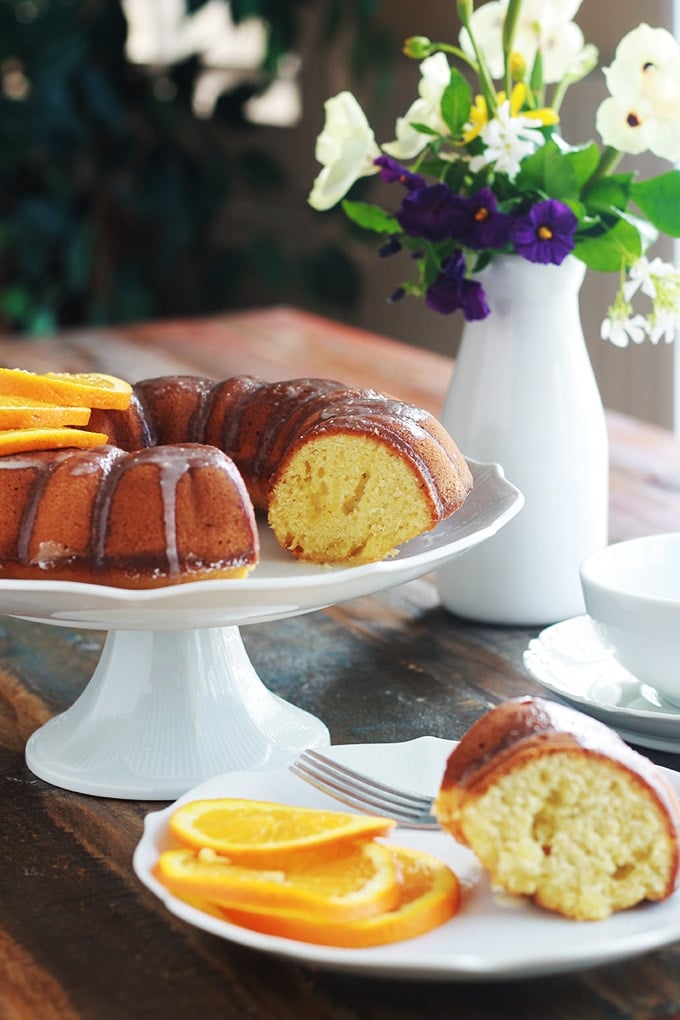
(363, 793)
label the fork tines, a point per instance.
(361, 792)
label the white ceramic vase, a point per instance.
(523, 395)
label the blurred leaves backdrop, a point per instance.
(119, 203)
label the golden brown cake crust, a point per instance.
(259, 424)
(526, 728)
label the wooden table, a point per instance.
(79, 936)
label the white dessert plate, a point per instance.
(279, 587)
(492, 937)
(570, 660)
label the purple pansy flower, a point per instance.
(546, 233)
(391, 171)
(452, 291)
(432, 212)
(481, 224)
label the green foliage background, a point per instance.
(111, 188)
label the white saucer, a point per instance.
(570, 660)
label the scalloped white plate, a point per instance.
(570, 660)
(280, 586)
(490, 938)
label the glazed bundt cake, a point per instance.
(558, 808)
(345, 475)
(144, 519)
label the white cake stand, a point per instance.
(175, 698)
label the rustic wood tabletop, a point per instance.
(80, 937)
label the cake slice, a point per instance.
(558, 808)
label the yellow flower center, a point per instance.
(545, 233)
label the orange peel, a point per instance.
(22, 413)
(80, 389)
(26, 440)
(430, 896)
(262, 833)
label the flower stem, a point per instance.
(456, 52)
(486, 84)
(509, 28)
(609, 160)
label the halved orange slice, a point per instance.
(82, 389)
(24, 413)
(260, 833)
(430, 896)
(360, 883)
(25, 440)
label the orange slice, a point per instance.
(84, 389)
(23, 413)
(430, 896)
(360, 883)
(24, 440)
(259, 833)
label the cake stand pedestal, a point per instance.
(164, 710)
(175, 698)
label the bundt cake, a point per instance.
(558, 808)
(345, 475)
(143, 519)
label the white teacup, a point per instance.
(632, 593)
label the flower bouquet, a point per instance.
(483, 169)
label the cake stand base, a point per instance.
(165, 710)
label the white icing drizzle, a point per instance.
(43, 468)
(172, 463)
(171, 470)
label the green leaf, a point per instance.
(456, 102)
(584, 161)
(659, 200)
(609, 193)
(606, 252)
(549, 172)
(423, 128)
(370, 217)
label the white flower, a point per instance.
(435, 76)
(346, 149)
(645, 64)
(507, 140)
(643, 275)
(664, 323)
(543, 26)
(620, 329)
(635, 126)
(626, 125)
(643, 110)
(660, 282)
